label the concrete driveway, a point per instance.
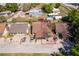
(17, 38)
(2, 41)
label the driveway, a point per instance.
(17, 38)
(2, 41)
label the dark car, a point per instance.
(65, 51)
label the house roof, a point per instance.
(2, 27)
(35, 12)
(18, 28)
(52, 14)
(40, 28)
(62, 28)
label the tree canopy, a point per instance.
(26, 6)
(12, 7)
(2, 8)
(74, 19)
(57, 5)
(47, 8)
(2, 19)
(75, 50)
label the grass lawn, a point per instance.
(63, 10)
(24, 54)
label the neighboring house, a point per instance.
(58, 17)
(18, 28)
(53, 16)
(34, 12)
(2, 28)
(40, 28)
(62, 28)
(5, 13)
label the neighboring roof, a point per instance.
(53, 14)
(62, 28)
(18, 28)
(38, 28)
(35, 12)
(2, 27)
(58, 17)
(49, 18)
(5, 13)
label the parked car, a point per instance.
(65, 51)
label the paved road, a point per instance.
(30, 48)
(69, 5)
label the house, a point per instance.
(62, 29)
(41, 29)
(58, 17)
(53, 16)
(5, 13)
(50, 18)
(2, 28)
(38, 28)
(34, 12)
(18, 28)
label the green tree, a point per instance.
(13, 20)
(47, 8)
(75, 50)
(74, 20)
(2, 8)
(34, 4)
(2, 19)
(72, 15)
(57, 5)
(26, 6)
(13, 7)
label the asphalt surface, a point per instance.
(69, 5)
(29, 48)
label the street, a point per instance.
(31, 47)
(69, 5)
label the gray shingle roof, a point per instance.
(18, 28)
